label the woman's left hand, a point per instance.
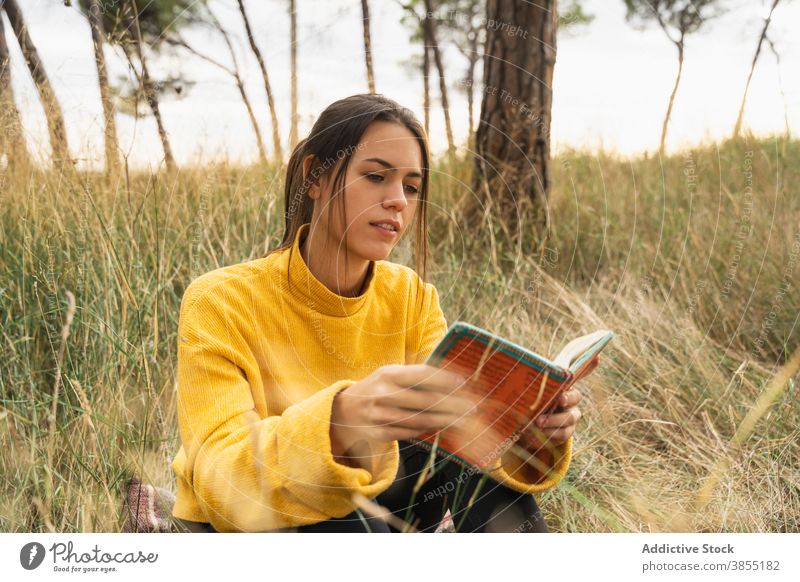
(559, 425)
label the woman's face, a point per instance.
(382, 186)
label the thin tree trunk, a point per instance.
(367, 45)
(430, 30)
(262, 154)
(512, 141)
(293, 65)
(470, 52)
(237, 77)
(664, 126)
(780, 87)
(55, 118)
(131, 22)
(95, 17)
(12, 142)
(276, 135)
(738, 127)
(426, 67)
(473, 61)
(426, 88)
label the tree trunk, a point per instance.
(786, 130)
(95, 17)
(293, 65)
(662, 145)
(512, 141)
(233, 72)
(12, 142)
(430, 35)
(262, 154)
(738, 127)
(131, 22)
(367, 45)
(473, 61)
(276, 134)
(426, 87)
(55, 118)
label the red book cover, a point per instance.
(512, 386)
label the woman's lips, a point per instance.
(385, 232)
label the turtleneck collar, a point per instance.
(311, 292)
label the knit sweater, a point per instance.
(263, 347)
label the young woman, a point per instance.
(301, 374)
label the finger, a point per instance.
(423, 421)
(569, 417)
(391, 433)
(427, 400)
(559, 435)
(538, 439)
(570, 398)
(425, 377)
(583, 373)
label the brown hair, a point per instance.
(334, 137)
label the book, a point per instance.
(510, 384)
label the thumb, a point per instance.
(590, 368)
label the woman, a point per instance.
(301, 375)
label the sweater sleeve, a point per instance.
(252, 471)
(546, 470)
(510, 470)
(432, 327)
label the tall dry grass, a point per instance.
(705, 314)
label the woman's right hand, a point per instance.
(398, 402)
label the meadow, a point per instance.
(689, 424)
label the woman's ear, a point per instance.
(313, 183)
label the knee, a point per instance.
(534, 521)
(521, 516)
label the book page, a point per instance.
(574, 350)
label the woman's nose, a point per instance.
(397, 198)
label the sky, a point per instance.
(611, 81)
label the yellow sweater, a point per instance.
(258, 366)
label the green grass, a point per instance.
(647, 247)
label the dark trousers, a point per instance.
(476, 502)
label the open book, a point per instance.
(512, 386)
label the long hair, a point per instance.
(334, 137)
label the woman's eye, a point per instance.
(412, 190)
(372, 176)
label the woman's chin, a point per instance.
(379, 256)
(377, 252)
